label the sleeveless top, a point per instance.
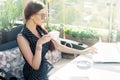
(28, 72)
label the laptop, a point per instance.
(107, 53)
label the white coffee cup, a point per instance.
(55, 34)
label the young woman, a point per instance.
(34, 42)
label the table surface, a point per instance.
(73, 70)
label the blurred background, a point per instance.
(80, 20)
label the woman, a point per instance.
(34, 42)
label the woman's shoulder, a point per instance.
(22, 32)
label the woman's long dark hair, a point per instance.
(32, 8)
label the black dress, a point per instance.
(28, 72)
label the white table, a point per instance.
(95, 72)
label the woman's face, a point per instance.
(39, 17)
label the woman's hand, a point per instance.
(44, 39)
(90, 50)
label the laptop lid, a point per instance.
(107, 52)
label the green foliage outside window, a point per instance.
(83, 33)
(11, 11)
(88, 33)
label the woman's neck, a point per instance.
(30, 25)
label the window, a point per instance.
(100, 14)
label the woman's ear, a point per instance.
(32, 17)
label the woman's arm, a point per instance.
(69, 50)
(35, 60)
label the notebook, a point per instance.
(107, 53)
